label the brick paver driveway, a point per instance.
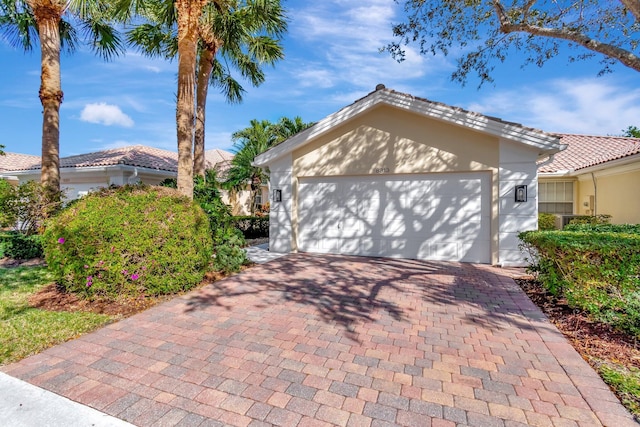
(317, 340)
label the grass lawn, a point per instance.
(25, 330)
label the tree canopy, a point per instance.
(252, 141)
(54, 25)
(482, 33)
(632, 132)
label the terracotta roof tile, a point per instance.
(589, 150)
(17, 161)
(135, 155)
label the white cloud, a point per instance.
(346, 38)
(597, 106)
(105, 114)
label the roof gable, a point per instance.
(546, 143)
(584, 151)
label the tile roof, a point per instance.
(17, 161)
(135, 155)
(589, 150)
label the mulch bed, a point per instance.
(595, 341)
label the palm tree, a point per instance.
(51, 22)
(246, 37)
(286, 127)
(254, 140)
(194, 21)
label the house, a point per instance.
(393, 175)
(126, 165)
(594, 175)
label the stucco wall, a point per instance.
(281, 233)
(387, 141)
(517, 167)
(616, 193)
(390, 141)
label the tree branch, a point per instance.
(633, 6)
(624, 56)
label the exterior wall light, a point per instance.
(277, 195)
(521, 193)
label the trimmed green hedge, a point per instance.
(604, 228)
(17, 245)
(546, 221)
(598, 272)
(252, 227)
(132, 240)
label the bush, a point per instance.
(18, 245)
(27, 207)
(604, 228)
(227, 241)
(591, 219)
(252, 227)
(598, 272)
(132, 240)
(546, 221)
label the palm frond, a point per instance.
(105, 39)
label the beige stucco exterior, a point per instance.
(606, 189)
(613, 193)
(388, 141)
(389, 137)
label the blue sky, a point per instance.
(332, 59)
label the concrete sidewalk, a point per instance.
(260, 253)
(25, 405)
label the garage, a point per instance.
(394, 175)
(427, 217)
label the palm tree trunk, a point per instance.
(50, 96)
(205, 66)
(188, 12)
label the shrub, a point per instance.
(546, 221)
(591, 219)
(20, 246)
(604, 228)
(132, 240)
(598, 272)
(26, 207)
(227, 241)
(252, 227)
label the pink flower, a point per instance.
(134, 277)
(113, 248)
(125, 272)
(86, 266)
(61, 240)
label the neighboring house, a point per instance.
(127, 165)
(594, 175)
(393, 175)
(240, 202)
(15, 161)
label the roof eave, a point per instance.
(545, 143)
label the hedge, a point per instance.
(17, 245)
(598, 272)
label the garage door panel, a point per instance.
(433, 216)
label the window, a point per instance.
(258, 200)
(555, 197)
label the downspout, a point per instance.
(595, 194)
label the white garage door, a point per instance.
(432, 217)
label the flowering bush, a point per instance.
(133, 240)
